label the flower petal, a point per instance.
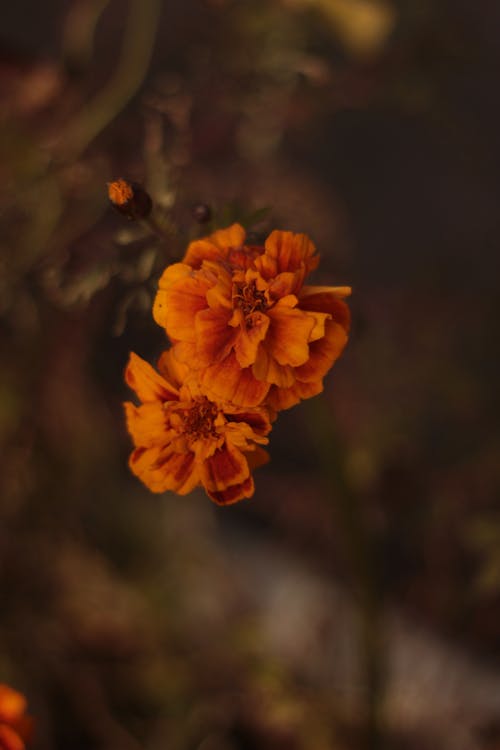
(288, 335)
(268, 370)
(283, 398)
(214, 336)
(226, 476)
(9, 739)
(227, 381)
(176, 305)
(146, 382)
(162, 469)
(171, 368)
(215, 247)
(250, 334)
(323, 353)
(291, 252)
(147, 424)
(12, 704)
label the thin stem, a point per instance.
(134, 61)
(361, 557)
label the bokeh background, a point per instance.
(353, 603)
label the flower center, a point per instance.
(199, 419)
(249, 299)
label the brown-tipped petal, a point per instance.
(161, 469)
(214, 336)
(226, 476)
(147, 383)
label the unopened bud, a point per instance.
(130, 199)
(202, 213)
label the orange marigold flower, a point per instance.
(15, 725)
(242, 317)
(184, 439)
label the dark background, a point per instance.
(354, 601)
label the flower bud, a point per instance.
(130, 199)
(202, 213)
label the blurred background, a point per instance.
(354, 602)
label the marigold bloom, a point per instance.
(183, 439)
(15, 725)
(242, 317)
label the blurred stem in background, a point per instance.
(137, 48)
(360, 555)
(79, 32)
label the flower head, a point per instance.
(242, 318)
(15, 725)
(184, 439)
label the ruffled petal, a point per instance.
(146, 382)
(288, 335)
(291, 251)
(175, 307)
(268, 370)
(259, 419)
(327, 299)
(251, 333)
(171, 368)
(283, 398)
(215, 247)
(227, 381)
(162, 469)
(226, 476)
(147, 424)
(323, 353)
(214, 337)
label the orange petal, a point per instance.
(214, 336)
(257, 457)
(268, 370)
(175, 308)
(288, 335)
(12, 704)
(215, 247)
(226, 476)
(251, 333)
(147, 424)
(9, 739)
(146, 382)
(327, 299)
(291, 251)
(162, 469)
(283, 284)
(258, 419)
(171, 368)
(323, 352)
(283, 398)
(227, 381)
